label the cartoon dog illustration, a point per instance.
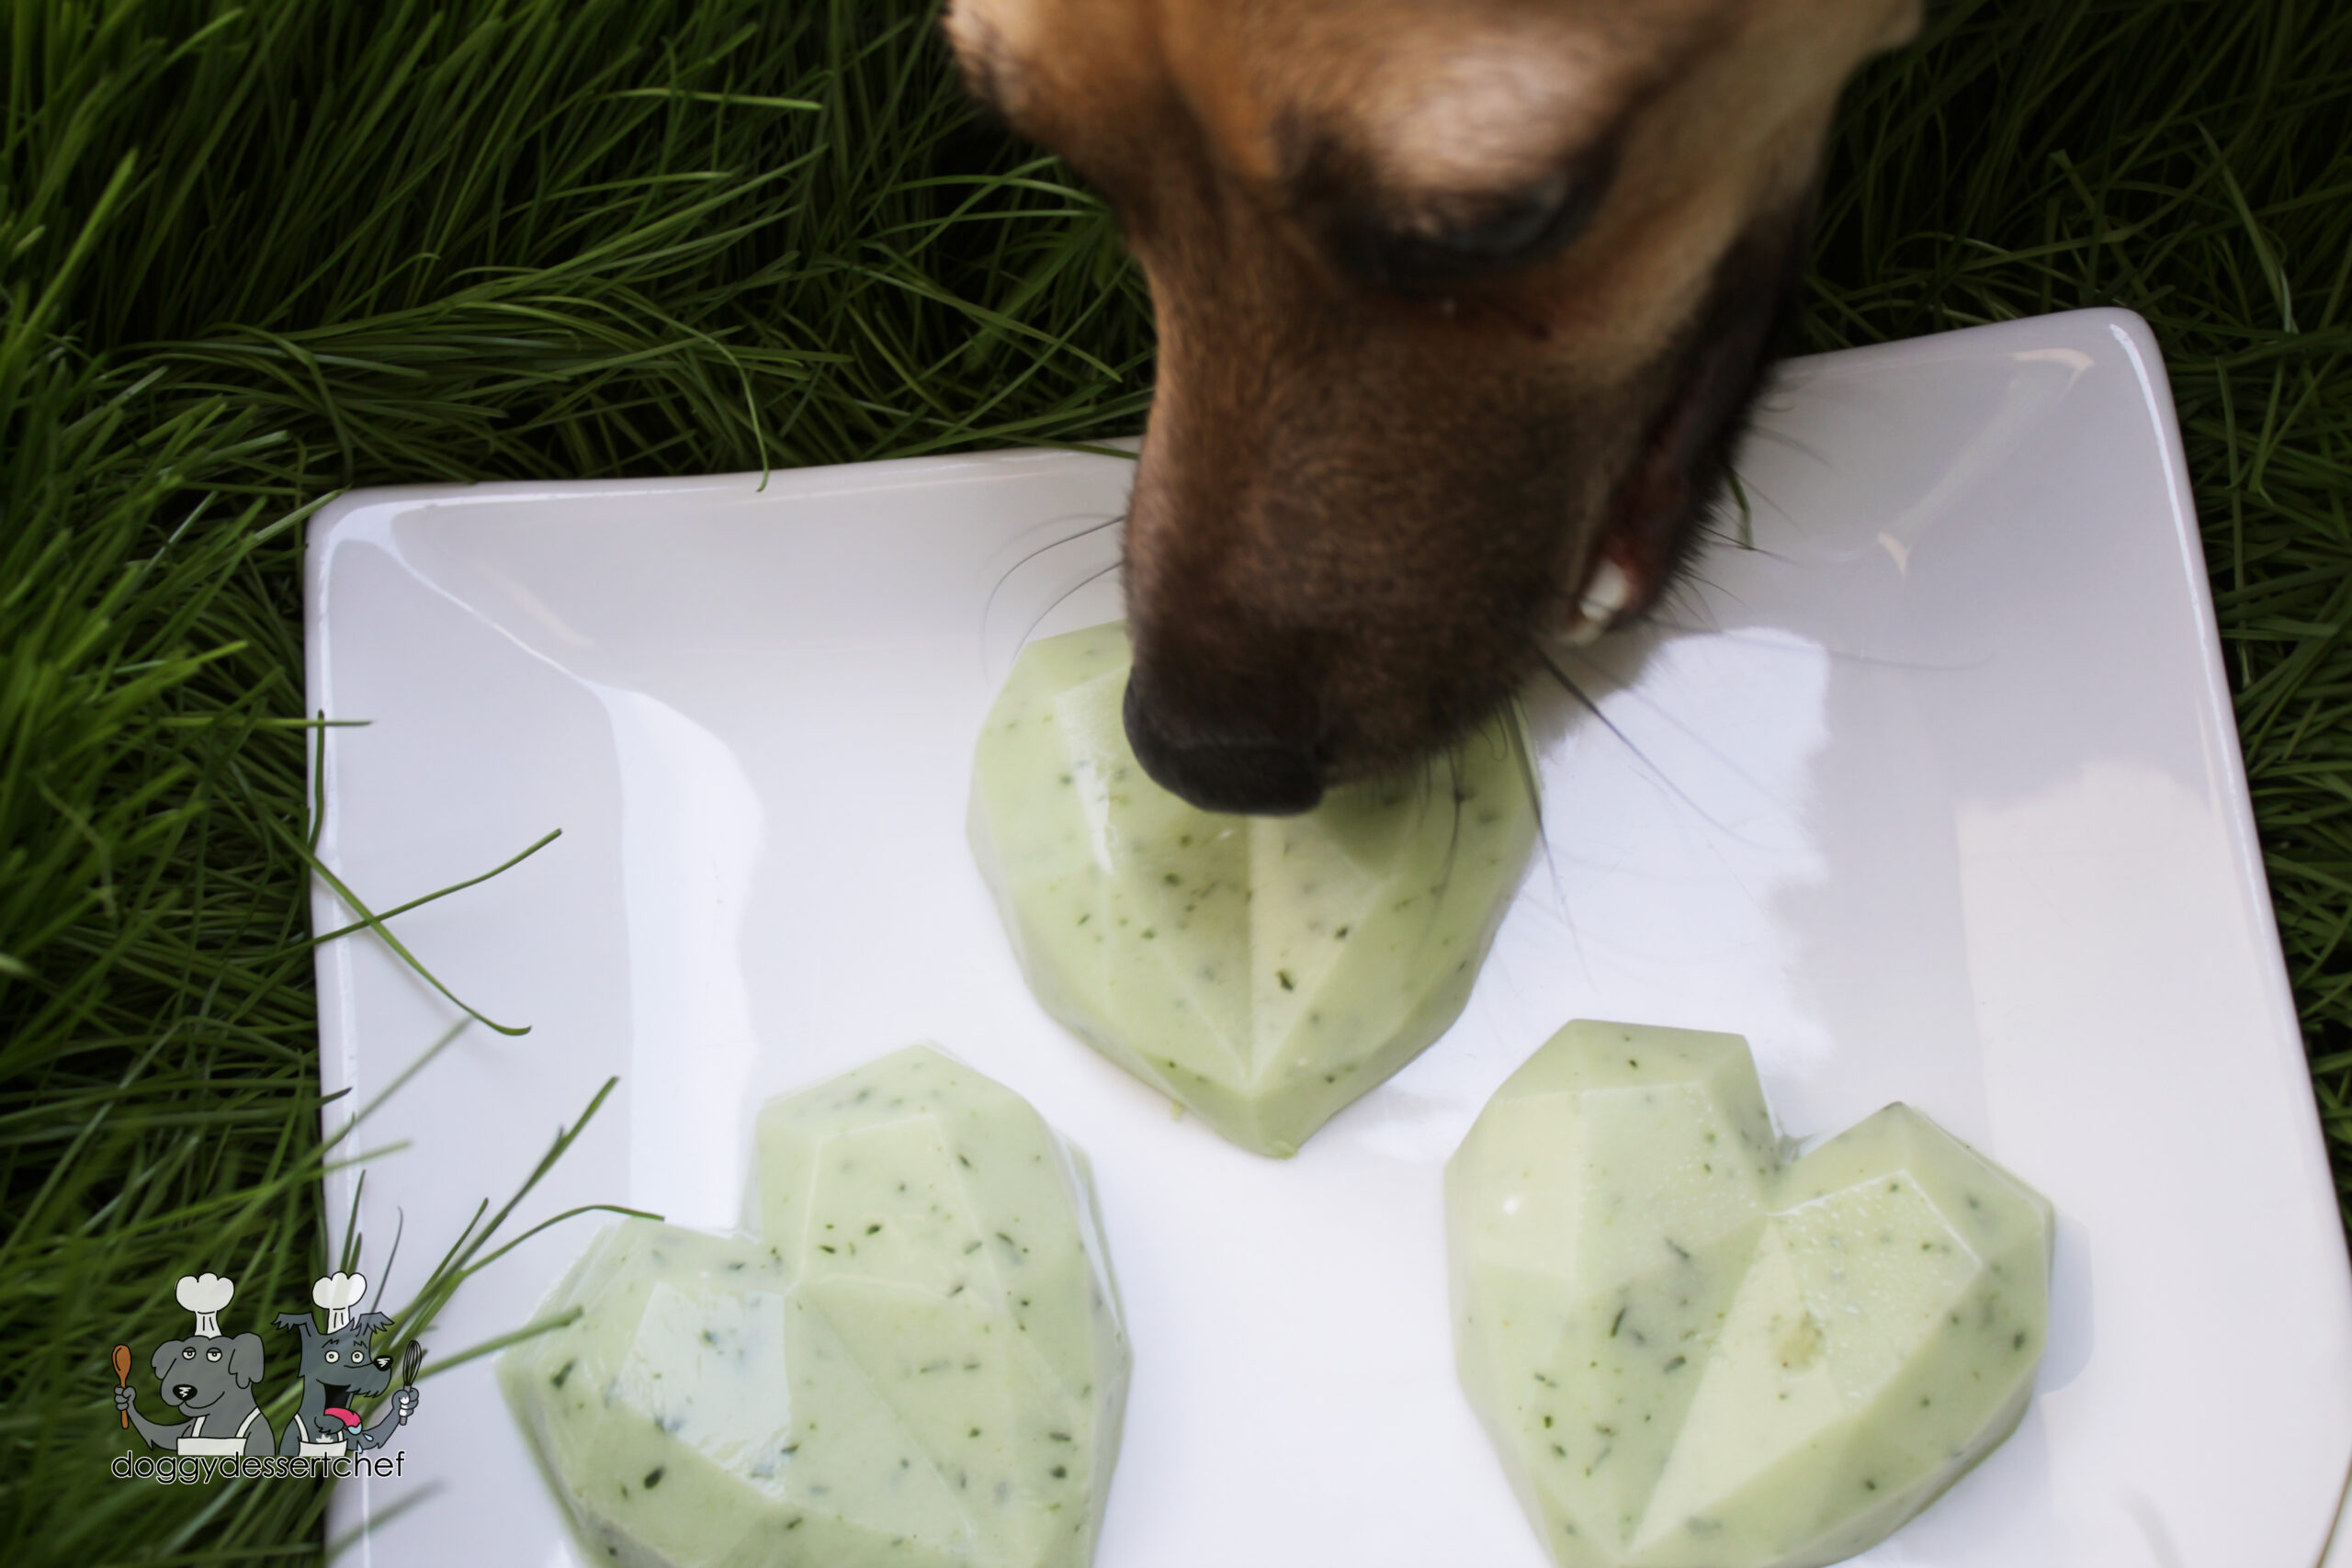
(209, 1377)
(337, 1368)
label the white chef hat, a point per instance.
(205, 1295)
(339, 1294)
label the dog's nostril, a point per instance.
(1239, 774)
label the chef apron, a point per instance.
(309, 1450)
(194, 1441)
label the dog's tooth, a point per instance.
(1609, 591)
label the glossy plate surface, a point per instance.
(1934, 794)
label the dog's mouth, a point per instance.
(1656, 516)
(365, 1381)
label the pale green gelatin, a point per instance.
(1263, 971)
(918, 1360)
(1690, 1355)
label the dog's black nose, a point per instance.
(182, 1392)
(1234, 771)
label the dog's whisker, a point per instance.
(1755, 496)
(1685, 592)
(1065, 596)
(1568, 684)
(1047, 549)
(1530, 780)
(988, 608)
(1758, 551)
(1710, 748)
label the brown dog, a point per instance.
(1460, 305)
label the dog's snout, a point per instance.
(1233, 765)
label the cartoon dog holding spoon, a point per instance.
(207, 1377)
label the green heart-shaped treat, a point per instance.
(917, 1361)
(1263, 971)
(1691, 1355)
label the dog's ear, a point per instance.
(301, 1322)
(371, 1323)
(165, 1354)
(245, 1360)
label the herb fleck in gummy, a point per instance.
(1262, 971)
(1689, 1353)
(912, 1396)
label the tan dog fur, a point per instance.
(1373, 483)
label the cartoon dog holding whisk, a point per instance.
(338, 1367)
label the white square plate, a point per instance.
(1934, 794)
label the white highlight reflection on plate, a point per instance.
(692, 836)
(1934, 796)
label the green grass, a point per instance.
(253, 255)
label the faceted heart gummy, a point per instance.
(1691, 1355)
(1262, 971)
(918, 1360)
